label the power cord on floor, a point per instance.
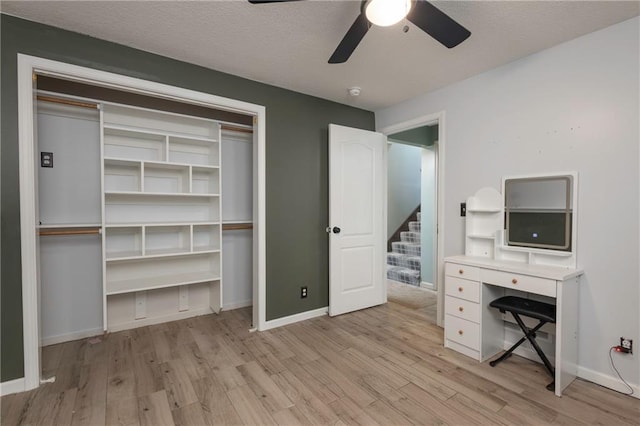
(618, 373)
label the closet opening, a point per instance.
(128, 215)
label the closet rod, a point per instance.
(62, 231)
(236, 129)
(67, 102)
(236, 226)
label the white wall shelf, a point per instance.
(484, 220)
(162, 211)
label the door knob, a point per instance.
(336, 230)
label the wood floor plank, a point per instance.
(189, 415)
(153, 410)
(216, 407)
(249, 408)
(436, 406)
(91, 398)
(123, 412)
(148, 373)
(141, 340)
(178, 386)
(352, 413)
(51, 356)
(383, 365)
(270, 395)
(385, 414)
(311, 406)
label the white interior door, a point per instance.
(357, 187)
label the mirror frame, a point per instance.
(570, 256)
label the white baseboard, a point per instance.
(237, 305)
(12, 386)
(279, 322)
(427, 285)
(611, 382)
(157, 320)
(61, 338)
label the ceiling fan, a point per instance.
(423, 14)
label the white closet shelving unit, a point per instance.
(161, 216)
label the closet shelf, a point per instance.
(68, 225)
(157, 224)
(128, 161)
(484, 210)
(159, 194)
(154, 254)
(164, 281)
(158, 133)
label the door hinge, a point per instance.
(255, 120)
(34, 76)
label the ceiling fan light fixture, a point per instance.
(386, 12)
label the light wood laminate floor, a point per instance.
(385, 365)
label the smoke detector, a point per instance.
(354, 91)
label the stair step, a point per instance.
(404, 261)
(419, 216)
(405, 248)
(395, 259)
(414, 226)
(410, 237)
(404, 275)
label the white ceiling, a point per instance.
(288, 44)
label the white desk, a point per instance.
(476, 330)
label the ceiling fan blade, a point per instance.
(351, 40)
(437, 24)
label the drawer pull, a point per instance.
(460, 289)
(514, 281)
(461, 271)
(460, 332)
(461, 309)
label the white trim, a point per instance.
(607, 381)
(12, 386)
(27, 66)
(302, 316)
(158, 320)
(61, 338)
(237, 305)
(430, 119)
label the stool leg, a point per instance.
(507, 354)
(528, 335)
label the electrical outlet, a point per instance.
(303, 292)
(626, 344)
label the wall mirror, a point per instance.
(539, 212)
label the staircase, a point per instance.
(403, 262)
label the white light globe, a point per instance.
(387, 12)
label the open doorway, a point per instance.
(411, 219)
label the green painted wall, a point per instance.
(420, 136)
(296, 157)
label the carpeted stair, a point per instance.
(403, 262)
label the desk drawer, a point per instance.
(543, 286)
(461, 331)
(463, 289)
(462, 271)
(462, 309)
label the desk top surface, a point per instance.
(543, 271)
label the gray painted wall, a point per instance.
(573, 107)
(296, 157)
(403, 184)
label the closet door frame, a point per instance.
(28, 68)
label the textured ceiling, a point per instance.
(288, 44)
